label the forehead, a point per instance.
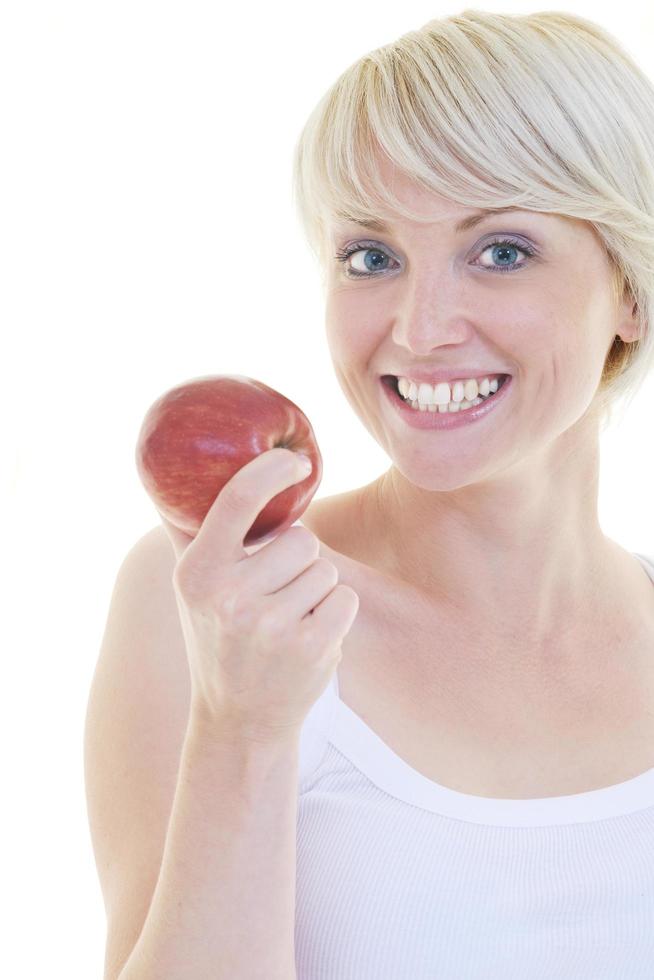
(437, 211)
(461, 220)
(434, 210)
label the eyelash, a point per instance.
(344, 253)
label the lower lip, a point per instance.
(444, 420)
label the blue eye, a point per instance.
(502, 245)
(343, 255)
(508, 245)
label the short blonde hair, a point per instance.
(544, 111)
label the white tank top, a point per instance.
(400, 878)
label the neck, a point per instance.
(520, 558)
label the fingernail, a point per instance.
(305, 462)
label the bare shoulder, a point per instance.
(156, 545)
(145, 595)
(143, 627)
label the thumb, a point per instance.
(179, 539)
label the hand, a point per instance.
(263, 631)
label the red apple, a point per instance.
(197, 435)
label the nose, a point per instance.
(431, 314)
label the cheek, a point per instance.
(573, 372)
(539, 335)
(528, 339)
(352, 330)
(347, 344)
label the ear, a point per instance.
(630, 325)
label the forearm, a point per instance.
(224, 904)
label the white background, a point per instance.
(148, 236)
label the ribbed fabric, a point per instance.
(400, 878)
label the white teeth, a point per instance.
(439, 397)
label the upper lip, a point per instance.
(446, 374)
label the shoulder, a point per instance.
(149, 564)
(155, 542)
(143, 637)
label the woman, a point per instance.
(476, 779)
(484, 805)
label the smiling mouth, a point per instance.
(392, 382)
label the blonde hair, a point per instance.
(544, 111)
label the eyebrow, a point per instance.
(465, 225)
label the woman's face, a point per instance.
(436, 298)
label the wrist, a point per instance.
(209, 722)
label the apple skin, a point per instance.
(197, 435)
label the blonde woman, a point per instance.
(420, 741)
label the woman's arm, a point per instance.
(224, 904)
(193, 829)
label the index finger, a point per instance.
(235, 509)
